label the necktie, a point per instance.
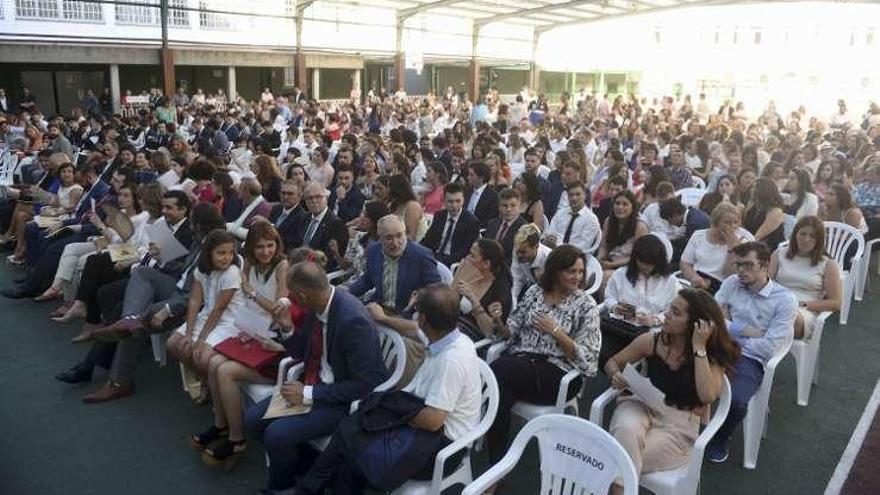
(447, 235)
(313, 225)
(569, 229)
(501, 232)
(316, 349)
(281, 218)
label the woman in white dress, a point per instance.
(217, 291)
(705, 261)
(803, 268)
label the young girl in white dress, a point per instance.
(217, 291)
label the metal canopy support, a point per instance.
(535, 10)
(407, 13)
(399, 57)
(634, 12)
(166, 55)
(534, 71)
(474, 68)
(299, 65)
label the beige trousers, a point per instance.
(656, 441)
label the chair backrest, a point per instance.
(695, 464)
(667, 244)
(690, 196)
(576, 456)
(489, 399)
(394, 356)
(838, 239)
(698, 183)
(445, 273)
(594, 269)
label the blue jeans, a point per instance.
(285, 438)
(746, 380)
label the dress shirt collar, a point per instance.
(320, 216)
(177, 225)
(436, 347)
(765, 291)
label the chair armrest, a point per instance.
(495, 351)
(480, 344)
(287, 370)
(493, 475)
(597, 410)
(336, 275)
(464, 442)
(564, 386)
(354, 406)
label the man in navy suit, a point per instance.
(453, 230)
(482, 200)
(689, 218)
(503, 229)
(410, 267)
(287, 215)
(321, 227)
(569, 174)
(533, 164)
(346, 200)
(342, 362)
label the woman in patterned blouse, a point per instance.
(553, 330)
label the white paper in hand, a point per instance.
(643, 388)
(170, 248)
(253, 323)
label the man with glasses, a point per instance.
(760, 316)
(287, 215)
(321, 227)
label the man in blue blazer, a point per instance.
(346, 201)
(413, 266)
(691, 219)
(338, 346)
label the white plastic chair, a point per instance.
(690, 196)
(838, 239)
(576, 457)
(698, 183)
(806, 358)
(463, 474)
(755, 423)
(865, 267)
(594, 268)
(562, 405)
(393, 354)
(667, 244)
(445, 273)
(160, 351)
(684, 480)
(597, 241)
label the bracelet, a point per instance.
(558, 328)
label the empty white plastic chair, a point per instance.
(462, 474)
(838, 239)
(686, 479)
(755, 423)
(562, 405)
(576, 456)
(806, 358)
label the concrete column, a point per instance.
(231, 85)
(356, 83)
(301, 73)
(534, 77)
(474, 80)
(115, 92)
(600, 89)
(316, 83)
(399, 72)
(168, 76)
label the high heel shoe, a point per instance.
(224, 453)
(50, 294)
(61, 310)
(73, 313)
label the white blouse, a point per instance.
(707, 257)
(650, 296)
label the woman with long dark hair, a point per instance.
(763, 216)
(619, 232)
(402, 202)
(687, 361)
(531, 204)
(802, 201)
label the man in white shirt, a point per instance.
(449, 383)
(577, 224)
(651, 213)
(528, 259)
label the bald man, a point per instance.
(395, 268)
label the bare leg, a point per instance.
(219, 414)
(229, 376)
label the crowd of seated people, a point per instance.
(324, 222)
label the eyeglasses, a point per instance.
(745, 265)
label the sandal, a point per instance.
(204, 439)
(50, 294)
(224, 454)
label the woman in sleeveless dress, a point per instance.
(687, 361)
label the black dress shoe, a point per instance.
(77, 374)
(14, 293)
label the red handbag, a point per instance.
(251, 354)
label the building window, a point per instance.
(211, 20)
(657, 36)
(146, 15)
(176, 16)
(757, 38)
(717, 35)
(36, 9)
(866, 81)
(82, 11)
(869, 38)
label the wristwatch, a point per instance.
(700, 353)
